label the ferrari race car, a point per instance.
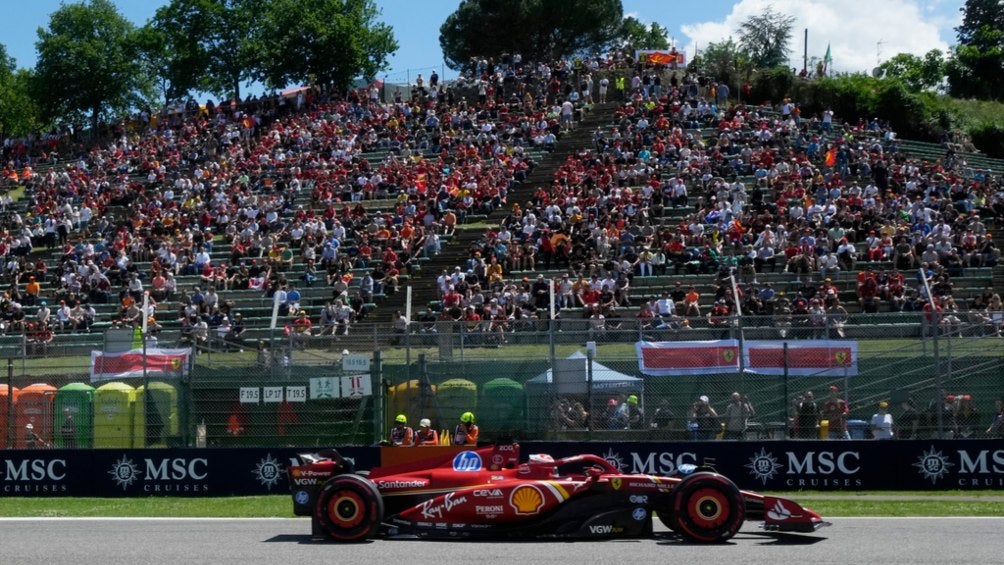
(488, 493)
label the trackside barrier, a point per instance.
(760, 465)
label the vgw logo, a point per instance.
(26, 476)
(167, 475)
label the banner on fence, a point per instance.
(661, 56)
(821, 358)
(665, 358)
(817, 358)
(154, 362)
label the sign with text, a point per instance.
(322, 388)
(356, 363)
(296, 394)
(250, 395)
(357, 386)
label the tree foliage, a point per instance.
(87, 63)
(634, 34)
(325, 42)
(765, 38)
(976, 69)
(722, 61)
(210, 44)
(537, 29)
(18, 111)
(916, 73)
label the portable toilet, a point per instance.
(33, 416)
(155, 415)
(502, 407)
(74, 415)
(415, 399)
(4, 420)
(113, 415)
(456, 396)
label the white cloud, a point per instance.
(859, 32)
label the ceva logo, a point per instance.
(467, 461)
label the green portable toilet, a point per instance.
(455, 397)
(113, 415)
(155, 415)
(502, 407)
(73, 414)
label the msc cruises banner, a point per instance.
(756, 465)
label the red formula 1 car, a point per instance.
(488, 493)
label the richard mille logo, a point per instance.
(124, 472)
(268, 471)
(933, 465)
(763, 466)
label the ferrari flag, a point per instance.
(124, 364)
(665, 358)
(817, 358)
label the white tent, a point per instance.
(573, 375)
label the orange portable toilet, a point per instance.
(4, 420)
(33, 416)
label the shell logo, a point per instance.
(526, 499)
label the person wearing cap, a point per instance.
(425, 435)
(635, 416)
(881, 423)
(703, 419)
(466, 432)
(401, 434)
(835, 411)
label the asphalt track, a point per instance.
(129, 541)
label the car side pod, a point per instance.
(783, 515)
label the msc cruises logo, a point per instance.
(763, 466)
(933, 465)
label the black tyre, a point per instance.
(706, 508)
(349, 508)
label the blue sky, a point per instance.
(859, 31)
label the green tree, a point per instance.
(765, 37)
(722, 61)
(325, 42)
(18, 111)
(87, 63)
(537, 29)
(976, 68)
(634, 34)
(211, 45)
(916, 73)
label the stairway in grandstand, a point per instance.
(456, 251)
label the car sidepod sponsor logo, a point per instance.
(497, 461)
(603, 529)
(301, 497)
(615, 483)
(638, 499)
(778, 512)
(526, 499)
(304, 476)
(434, 508)
(467, 461)
(402, 484)
(639, 514)
(268, 471)
(488, 493)
(489, 510)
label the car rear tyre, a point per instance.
(707, 508)
(349, 508)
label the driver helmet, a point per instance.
(467, 417)
(401, 419)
